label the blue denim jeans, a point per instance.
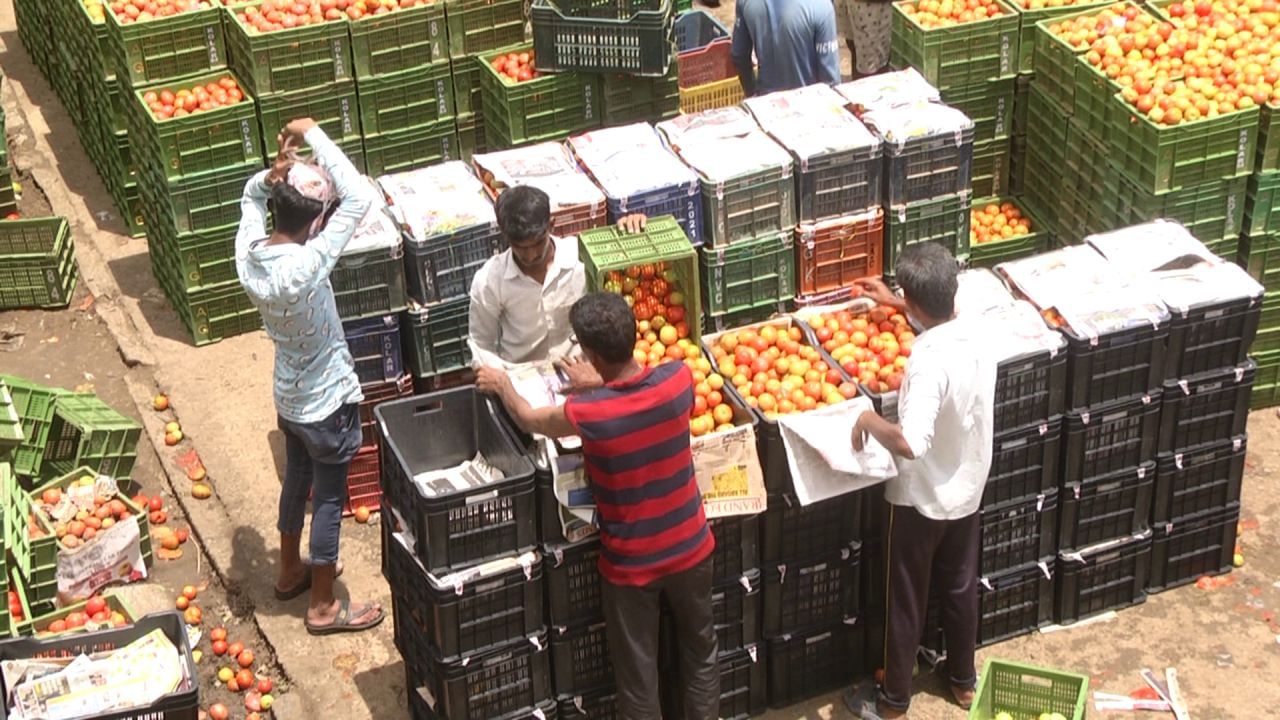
(317, 456)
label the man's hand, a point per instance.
(878, 292)
(859, 438)
(633, 224)
(492, 381)
(297, 129)
(582, 375)
(284, 160)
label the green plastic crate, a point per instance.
(749, 206)
(222, 140)
(991, 167)
(86, 432)
(471, 136)
(411, 148)
(305, 57)
(1268, 156)
(35, 31)
(629, 99)
(481, 26)
(34, 403)
(405, 100)
(11, 435)
(748, 274)
(217, 313)
(1094, 99)
(1211, 211)
(466, 86)
(41, 616)
(1261, 257)
(167, 48)
(959, 55)
(401, 40)
(436, 336)
(202, 259)
(335, 108)
(1266, 380)
(1262, 208)
(196, 203)
(550, 105)
(1055, 63)
(93, 39)
(609, 249)
(944, 221)
(989, 104)
(1018, 165)
(39, 236)
(1268, 337)
(1027, 691)
(36, 559)
(993, 253)
(130, 207)
(44, 279)
(1159, 158)
(1027, 20)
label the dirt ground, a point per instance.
(121, 339)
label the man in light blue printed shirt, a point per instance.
(318, 207)
(794, 41)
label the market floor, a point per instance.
(1225, 642)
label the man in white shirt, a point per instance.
(943, 445)
(520, 298)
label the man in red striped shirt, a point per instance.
(654, 536)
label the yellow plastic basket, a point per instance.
(718, 94)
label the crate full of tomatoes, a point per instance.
(157, 40)
(279, 45)
(866, 343)
(523, 105)
(1000, 229)
(953, 44)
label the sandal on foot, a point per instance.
(342, 623)
(304, 586)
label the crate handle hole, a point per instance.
(1037, 681)
(430, 408)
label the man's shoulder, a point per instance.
(492, 269)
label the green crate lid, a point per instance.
(10, 424)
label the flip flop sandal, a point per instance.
(861, 701)
(342, 623)
(302, 587)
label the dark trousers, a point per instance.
(317, 456)
(924, 552)
(631, 622)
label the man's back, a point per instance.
(794, 41)
(635, 440)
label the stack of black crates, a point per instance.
(466, 580)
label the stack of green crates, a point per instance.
(407, 108)
(86, 432)
(8, 203)
(1260, 251)
(34, 404)
(10, 438)
(549, 107)
(35, 31)
(475, 28)
(37, 263)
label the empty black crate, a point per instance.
(792, 531)
(507, 681)
(1192, 547)
(1205, 408)
(1018, 533)
(743, 686)
(580, 658)
(1024, 464)
(1109, 438)
(928, 167)
(1106, 507)
(1212, 336)
(1030, 389)
(181, 704)
(454, 528)
(441, 267)
(736, 607)
(737, 546)
(811, 592)
(420, 706)
(572, 577)
(805, 665)
(599, 704)
(1115, 366)
(1011, 604)
(1105, 577)
(1198, 480)
(835, 184)
(464, 613)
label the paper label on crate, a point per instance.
(729, 475)
(1018, 330)
(887, 90)
(821, 456)
(437, 200)
(629, 160)
(980, 290)
(810, 121)
(1158, 245)
(707, 126)
(900, 124)
(115, 555)
(724, 160)
(377, 229)
(546, 166)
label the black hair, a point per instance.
(927, 274)
(603, 323)
(524, 214)
(293, 212)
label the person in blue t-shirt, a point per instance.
(794, 41)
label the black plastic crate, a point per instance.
(744, 686)
(441, 267)
(838, 184)
(642, 43)
(1111, 437)
(455, 528)
(574, 583)
(181, 704)
(929, 167)
(436, 337)
(580, 658)
(375, 347)
(1213, 336)
(811, 592)
(506, 682)
(737, 546)
(1015, 602)
(1030, 389)
(805, 665)
(737, 606)
(1018, 533)
(683, 202)
(1205, 408)
(1190, 548)
(1115, 366)
(792, 531)
(599, 704)
(1201, 479)
(1024, 464)
(461, 614)
(1105, 577)
(1106, 507)
(369, 283)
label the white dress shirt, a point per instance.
(515, 320)
(945, 410)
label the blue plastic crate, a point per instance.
(375, 346)
(683, 202)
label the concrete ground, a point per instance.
(121, 339)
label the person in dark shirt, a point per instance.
(794, 42)
(655, 541)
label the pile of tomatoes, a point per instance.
(871, 346)
(774, 370)
(85, 524)
(131, 11)
(515, 66)
(96, 10)
(654, 294)
(273, 15)
(931, 14)
(95, 611)
(997, 221)
(197, 98)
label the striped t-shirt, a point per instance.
(635, 442)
